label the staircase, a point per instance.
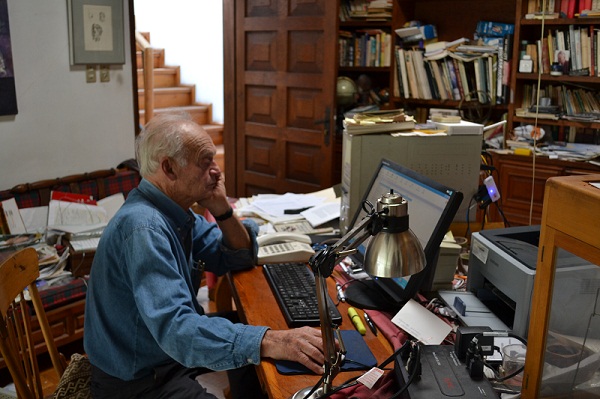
(170, 95)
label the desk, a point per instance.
(256, 305)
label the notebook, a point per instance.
(358, 356)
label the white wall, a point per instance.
(64, 125)
(191, 32)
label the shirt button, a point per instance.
(249, 361)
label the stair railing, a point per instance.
(148, 73)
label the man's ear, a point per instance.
(169, 168)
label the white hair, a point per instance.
(162, 137)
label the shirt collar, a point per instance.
(184, 219)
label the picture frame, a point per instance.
(96, 32)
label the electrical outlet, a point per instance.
(104, 73)
(90, 74)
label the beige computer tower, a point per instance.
(453, 161)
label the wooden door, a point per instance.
(280, 74)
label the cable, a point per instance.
(535, 126)
(475, 362)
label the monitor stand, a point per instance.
(365, 294)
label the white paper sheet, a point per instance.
(421, 323)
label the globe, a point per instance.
(346, 91)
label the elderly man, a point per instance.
(145, 333)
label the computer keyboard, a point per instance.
(294, 287)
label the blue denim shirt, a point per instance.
(141, 308)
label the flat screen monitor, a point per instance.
(431, 209)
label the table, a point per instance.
(256, 305)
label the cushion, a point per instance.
(75, 381)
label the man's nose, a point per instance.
(215, 170)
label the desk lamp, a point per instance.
(393, 251)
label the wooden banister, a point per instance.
(148, 73)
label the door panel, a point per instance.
(284, 88)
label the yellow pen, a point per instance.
(356, 321)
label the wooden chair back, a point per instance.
(18, 273)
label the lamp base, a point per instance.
(367, 295)
(301, 394)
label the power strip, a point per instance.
(442, 376)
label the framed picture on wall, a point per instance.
(96, 32)
(8, 94)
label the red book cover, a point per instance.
(571, 9)
(72, 197)
(564, 8)
(585, 5)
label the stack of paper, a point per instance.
(378, 122)
(76, 217)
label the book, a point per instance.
(72, 197)
(461, 79)
(379, 122)
(500, 72)
(496, 29)
(532, 6)
(435, 94)
(397, 76)
(11, 217)
(479, 85)
(533, 53)
(435, 48)
(564, 8)
(585, 49)
(453, 74)
(437, 75)
(408, 34)
(460, 76)
(571, 9)
(492, 64)
(507, 66)
(592, 51)
(424, 89)
(545, 58)
(585, 5)
(403, 71)
(576, 61)
(412, 77)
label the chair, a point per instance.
(18, 274)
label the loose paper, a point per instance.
(421, 323)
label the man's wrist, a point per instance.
(225, 216)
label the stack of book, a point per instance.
(378, 122)
(366, 10)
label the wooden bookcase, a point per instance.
(522, 178)
(452, 19)
(523, 84)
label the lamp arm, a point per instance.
(333, 356)
(323, 262)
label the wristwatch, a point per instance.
(225, 216)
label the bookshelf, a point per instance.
(453, 20)
(457, 19)
(573, 95)
(365, 43)
(522, 178)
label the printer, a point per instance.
(502, 266)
